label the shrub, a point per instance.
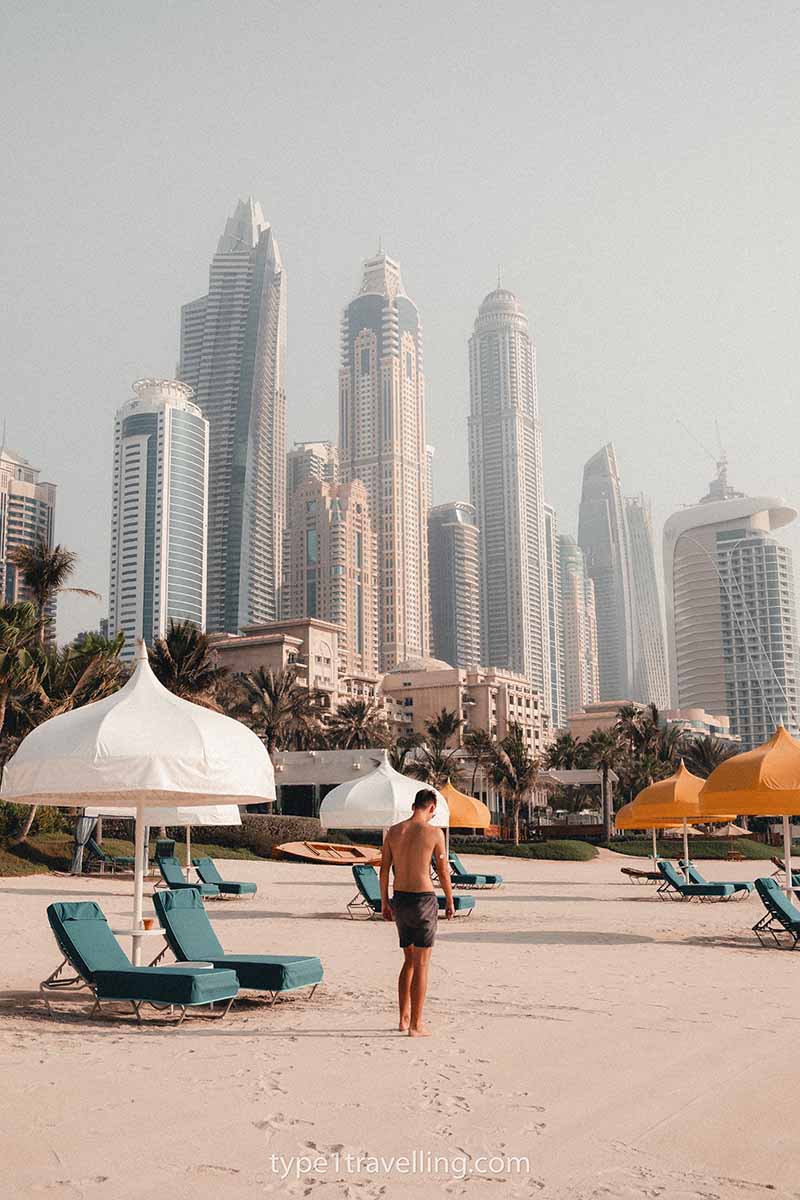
(557, 849)
(260, 833)
(711, 848)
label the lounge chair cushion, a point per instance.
(84, 937)
(166, 985)
(718, 890)
(460, 875)
(172, 874)
(696, 877)
(778, 903)
(208, 872)
(191, 938)
(272, 972)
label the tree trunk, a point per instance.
(517, 806)
(26, 828)
(606, 805)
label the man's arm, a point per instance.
(443, 871)
(386, 868)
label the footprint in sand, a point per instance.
(278, 1123)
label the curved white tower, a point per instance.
(731, 616)
(159, 513)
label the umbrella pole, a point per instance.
(138, 882)
(686, 848)
(188, 851)
(787, 855)
(655, 849)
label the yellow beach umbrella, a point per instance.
(764, 782)
(465, 811)
(663, 805)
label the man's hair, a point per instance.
(424, 798)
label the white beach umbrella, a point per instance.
(376, 801)
(142, 748)
(208, 815)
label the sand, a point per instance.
(626, 1047)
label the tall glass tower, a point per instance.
(506, 488)
(603, 537)
(158, 513)
(651, 683)
(382, 443)
(233, 354)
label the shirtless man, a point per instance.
(409, 848)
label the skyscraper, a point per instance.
(455, 584)
(731, 611)
(159, 512)
(555, 627)
(310, 460)
(233, 354)
(330, 569)
(651, 683)
(581, 667)
(602, 535)
(506, 488)
(382, 440)
(27, 513)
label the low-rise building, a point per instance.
(486, 698)
(308, 645)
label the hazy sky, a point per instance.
(632, 167)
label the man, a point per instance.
(414, 907)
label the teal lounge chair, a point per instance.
(209, 874)
(741, 888)
(674, 887)
(461, 878)
(98, 857)
(102, 966)
(367, 900)
(782, 918)
(172, 877)
(190, 936)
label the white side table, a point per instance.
(136, 936)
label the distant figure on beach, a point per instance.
(414, 907)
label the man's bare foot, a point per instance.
(405, 1022)
(420, 1031)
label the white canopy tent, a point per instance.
(378, 800)
(209, 814)
(141, 749)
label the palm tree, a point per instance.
(401, 748)
(703, 754)
(19, 636)
(277, 707)
(442, 728)
(185, 662)
(358, 725)
(564, 754)
(45, 570)
(86, 670)
(514, 771)
(603, 753)
(478, 745)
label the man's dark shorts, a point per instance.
(415, 915)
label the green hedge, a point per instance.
(557, 849)
(712, 848)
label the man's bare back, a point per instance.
(412, 846)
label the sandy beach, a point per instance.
(624, 1046)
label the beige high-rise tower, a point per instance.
(330, 569)
(382, 441)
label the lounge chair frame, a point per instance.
(668, 890)
(77, 983)
(642, 877)
(274, 996)
(775, 925)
